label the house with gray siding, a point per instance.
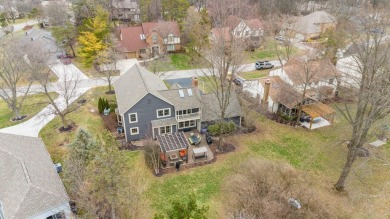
(30, 187)
(147, 108)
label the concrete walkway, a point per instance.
(33, 126)
(69, 73)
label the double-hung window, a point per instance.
(133, 118)
(134, 131)
(163, 113)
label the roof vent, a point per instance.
(181, 93)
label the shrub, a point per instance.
(226, 126)
(288, 118)
(100, 105)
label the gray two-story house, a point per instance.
(147, 108)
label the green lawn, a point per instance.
(313, 153)
(32, 105)
(267, 52)
(172, 62)
(250, 75)
(82, 117)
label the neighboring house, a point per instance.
(147, 108)
(30, 186)
(237, 28)
(241, 28)
(150, 39)
(42, 38)
(311, 26)
(221, 35)
(320, 77)
(348, 65)
(311, 6)
(279, 96)
(125, 10)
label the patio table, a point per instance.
(194, 139)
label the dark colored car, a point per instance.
(259, 65)
(64, 56)
(238, 81)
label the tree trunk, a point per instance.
(63, 120)
(16, 113)
(340, 185)
(73, 52)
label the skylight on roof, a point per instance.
(142, 36)
(189, 92)
(181, 93)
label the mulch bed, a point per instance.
(128, 146)
(70, 128)
(19, 119)
(227, 148)
(186, 166)
(110, 92)
(110, 122)
(277, 118)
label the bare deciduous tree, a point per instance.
(152, 156)
(40, 64)
(262, 189)
(12, 72)
(106, 64)
(372, 100)
(224, 60)
(57, 13)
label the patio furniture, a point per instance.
(209, 140)
(200, 152)
(183, 154)
(194, 139)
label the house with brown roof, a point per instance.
(149, 39)
(311, 26)
(319, 76)
(250, 30)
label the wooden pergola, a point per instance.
(319, 109)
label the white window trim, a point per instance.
(165, 128)
(136, 118)
(131, 133)
(189, 124)
(163, 113)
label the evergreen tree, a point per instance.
(100, 105)
(83, 146)
(105, 175)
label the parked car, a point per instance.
(259, 65)
(238, 81)
(66, 61)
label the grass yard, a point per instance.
(31, 106)
(267, 52)
(250, 75)
(172, 62)
(82, 117)
(313, 153)
(88, 71)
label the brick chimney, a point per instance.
(266, 90)
(195, 82)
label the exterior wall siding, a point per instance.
(146, 110)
